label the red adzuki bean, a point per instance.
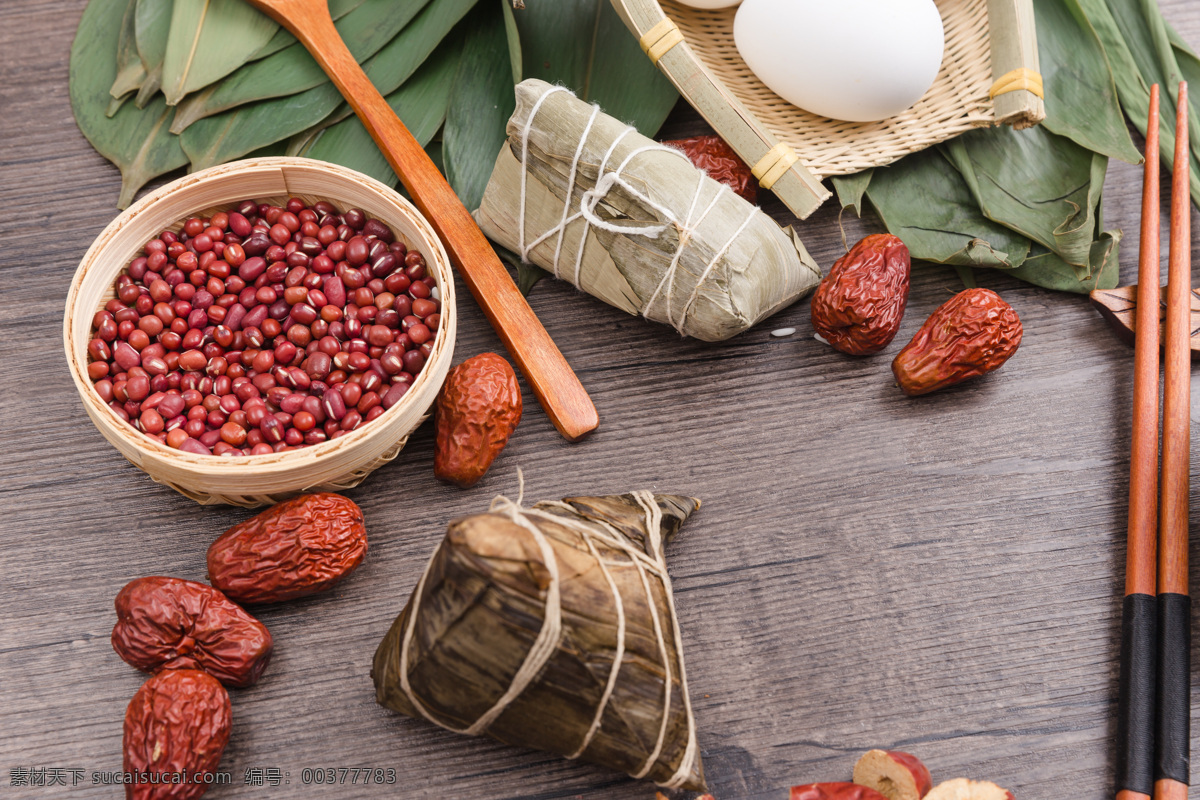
(264, 328)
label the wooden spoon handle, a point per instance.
(550, 377)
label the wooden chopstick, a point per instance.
(1174, 605)
(1139, 621)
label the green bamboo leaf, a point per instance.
(967, 276)
(481, 102)
(151, 25)
(208, 40)
(224, 137)
(136, 140)
(234, 133)
(850, 189)
(1081, 98)
(583, 45)
(365, 30)
(434, 151)
(514, 43)
(400, 57)
(1046, 269)
(421, 105)
(1129, 42)
(923, 200)
(299, 143)
(1041, 185)
(283, 38)
(130, 72)
(1189, 66)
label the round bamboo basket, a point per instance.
(257, 480)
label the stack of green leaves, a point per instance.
(157, 85)
(1029, 202)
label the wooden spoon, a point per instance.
(551, 378)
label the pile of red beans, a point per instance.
(264, 329)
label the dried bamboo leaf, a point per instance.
(224, 137)
(421, 105)
(130, 72)
(136, 140)
(1081, 97)
(480, 104)
(365, 30)
(208, 40)
(1039, 184)
(611, 686)
(635, 224)
(583, 45)
(151, 25)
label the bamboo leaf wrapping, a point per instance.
(581, 588)
(679, 247)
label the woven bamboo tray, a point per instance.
(257, 480)
(985, 40)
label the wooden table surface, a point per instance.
(941, 575)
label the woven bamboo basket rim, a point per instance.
(704, 64)
(166, 208)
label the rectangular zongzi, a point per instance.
(553, 627)
(634, 223)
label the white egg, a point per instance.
(856, 60)
(710, 3)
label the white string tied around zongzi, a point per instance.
(547, 641)
(690, 753)
(544, 646)
(654, 544)
(591, 199)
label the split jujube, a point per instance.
(171, 623)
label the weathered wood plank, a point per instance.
(941, 574)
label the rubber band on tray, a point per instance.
(774, 165)
(1019, 79)
(660, 39)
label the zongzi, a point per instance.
(634, 223)
(553, 627)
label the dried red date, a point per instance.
(296, 548)
(834, 791)
(859, 304)
(712, 154)
(477, 410)
(176, 728)
(894, 774)
(970, 334)
(170, 623)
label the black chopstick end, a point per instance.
(1135, 709)
(1172, 728)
